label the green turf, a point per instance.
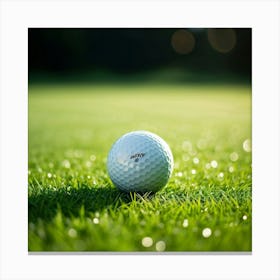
(72, 203)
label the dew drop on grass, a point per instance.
(72, 232)
(185, 223)
(179, 174)
(95, 221)
(92, 157)
(206, 232)
(247, 145)
(193, 171)
(160, 246)
(49, 175)
(234, 156)
(147, 241)
(214, 164)
(66, 163)
(244, 217)
(196, 160)
(208, 165)
(88, 164)
(231, 169)
(221, 176)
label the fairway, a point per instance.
(72, 204)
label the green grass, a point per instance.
(72, 203)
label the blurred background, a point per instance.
(135, 54)
(87, 87)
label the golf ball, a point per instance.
(140, 161)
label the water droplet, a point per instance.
(179, 174)
(247, 145)
(160, 246)
(214, 163)
(207, 165)
(88, 177)
(206, 232)
(49, 175)
(66, 163)
(193, 171)
(147, 241)
(221, 176)
(72, 232)
(231, 169)
(244, 217)
(40, 170)
(185, 223)
(92, 157)
(234, 156)
(88, 164)
(97, 215)
(95, 221)
(196, 160)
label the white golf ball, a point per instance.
(140, 161)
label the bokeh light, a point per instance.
(222, 40)
(183, 41)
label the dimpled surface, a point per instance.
(140, 161)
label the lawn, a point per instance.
(72, 204)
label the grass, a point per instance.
(72, 203)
